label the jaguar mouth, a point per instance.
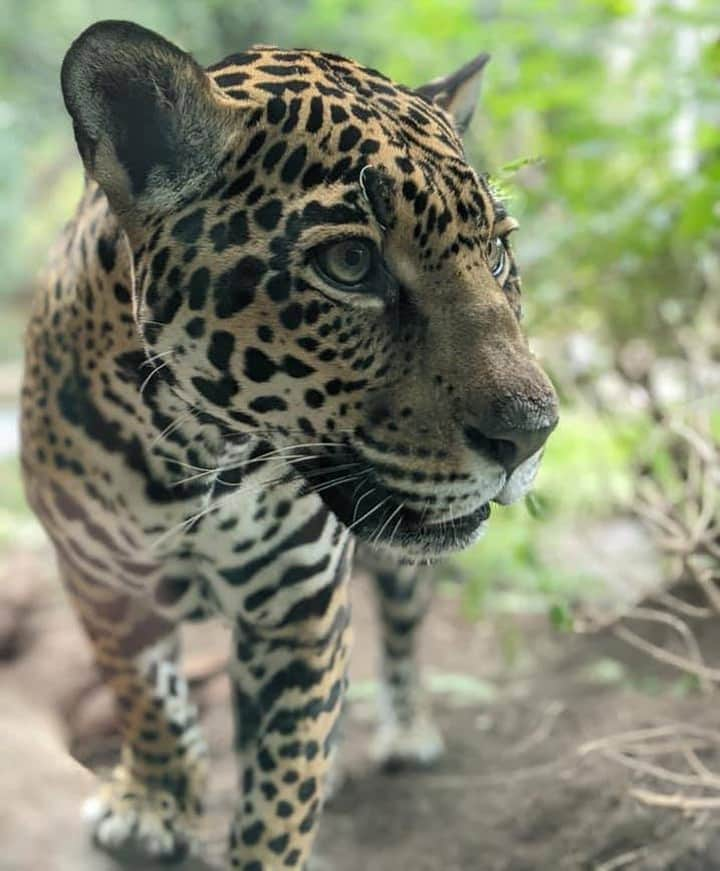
(376, 513)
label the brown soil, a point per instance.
(513, 792)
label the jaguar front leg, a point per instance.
(154, 797)
(406, 733)
(288, 689)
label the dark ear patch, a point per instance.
(458, 93)
(379, 190)
(140, 110)
(145, 120)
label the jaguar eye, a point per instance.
(495, 253)
(347, 263)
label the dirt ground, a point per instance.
(514, 792)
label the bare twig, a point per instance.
(640, 751)
(623, 860)
(678, 801)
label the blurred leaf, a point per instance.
(561, 618)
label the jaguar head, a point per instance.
(319, 266)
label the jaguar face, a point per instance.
(316, 264)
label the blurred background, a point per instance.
(599, 125)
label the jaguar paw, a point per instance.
(417, 744)
(127, 814)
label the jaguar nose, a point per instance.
(508, 446)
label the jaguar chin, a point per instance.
(407, 523)
(380, 516)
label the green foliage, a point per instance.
(560, 617)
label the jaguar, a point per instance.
(284, 318)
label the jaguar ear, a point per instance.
(458, 93)
(147, 125)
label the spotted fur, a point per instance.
(210, 417)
